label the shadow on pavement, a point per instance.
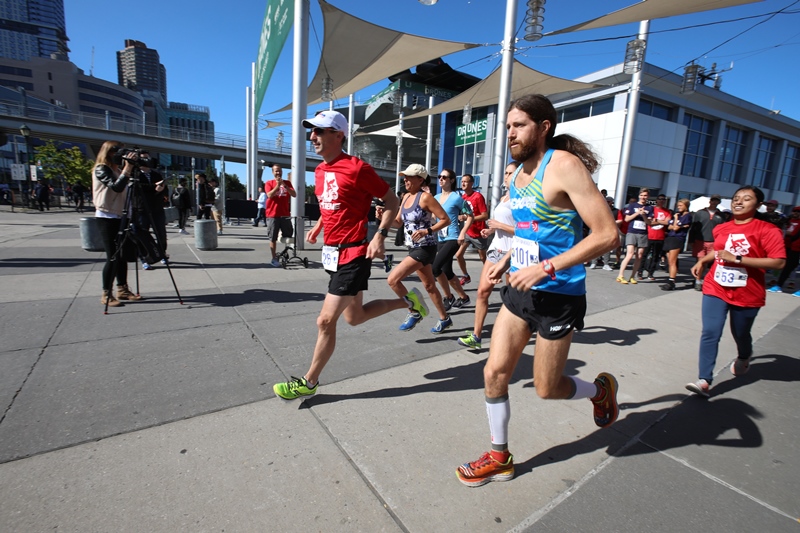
(608, 335)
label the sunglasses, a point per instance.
(320, 131)
(444, 177)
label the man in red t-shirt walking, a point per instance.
(480, 214)
(345, 186)
(276, 210)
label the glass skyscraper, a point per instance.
(32, 28)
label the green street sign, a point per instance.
(278, 20)
(471, 133)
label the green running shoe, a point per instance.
(470, 341)
(294, 388)
(416, 302)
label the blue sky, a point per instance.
(207, 47)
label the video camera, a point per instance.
(134, 155)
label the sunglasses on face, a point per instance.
(320, 131)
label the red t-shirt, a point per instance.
(278, 205)
(753, 239)
(345, 188)
(792, 229)
(478, 205)
(623, 226)
(657, 233)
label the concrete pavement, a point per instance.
(161, 416)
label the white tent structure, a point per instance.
(387, 132)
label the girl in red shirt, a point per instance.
(743, 249)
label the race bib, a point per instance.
(524, 253)
(639, 224)
(330, 258)
(730, 276)
(443, 232)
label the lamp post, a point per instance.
(26, 133)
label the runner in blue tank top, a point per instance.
(552, 195)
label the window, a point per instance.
(698, 146)
(790, 169)
(588, 109)
(732, 155)
(762, 167)
(655, 110)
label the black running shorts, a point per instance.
(551, 315)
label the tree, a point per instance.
(232, 183)
(67, 163)
(310, 194)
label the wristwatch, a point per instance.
(549, 269)
(430, 231)
(738, 259)
(384, 231)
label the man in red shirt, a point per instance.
(791, 240)
(276, 211)
(480, 214)
(655, 238)
(345, 186)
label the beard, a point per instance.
(523, 151)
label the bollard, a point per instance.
(91, 240)
(170, 214)
(205, 234)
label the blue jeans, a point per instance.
(714, 313)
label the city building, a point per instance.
(139, 68)
(32, 28)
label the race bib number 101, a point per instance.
(524, 253)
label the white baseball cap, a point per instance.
(415, 169)
(328, 119)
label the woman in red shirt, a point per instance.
(743, 249)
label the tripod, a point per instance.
(128, 232)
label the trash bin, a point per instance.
(170, 214)
(91, 240)
(205, 234)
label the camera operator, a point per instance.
(152, 196)
(108, 195)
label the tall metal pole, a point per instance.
(399, 151)
(255, 175)
(429, 140)
(351, 110)
(500, 141)
(299, 111)
(621, 189)
(223, 185)
(248, 143)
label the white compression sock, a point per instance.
(583, 389)
(499, 412)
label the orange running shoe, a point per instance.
(606, 409)
(484, 470)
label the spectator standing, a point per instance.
(606, 258)
(151, 204)
(638, 215)
(792, 243)
(79, 191)
(743, 249)
(182, 200)
(42, 192)
(216, 209)
(205, 197)
(276, 210)
(480, 214)
(261, 202)
(772, 216)
(678, 227)
(656, 233)
(701, 234)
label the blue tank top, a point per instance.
(542, 232)
(416, 218)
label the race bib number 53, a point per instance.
(730, 276)
(524, 253)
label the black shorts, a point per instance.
(423, 254)
(282, 224)
(551, 315)
(673, 243)
(350, 278)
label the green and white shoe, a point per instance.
(470, 341)
(416, 302)
(294, 388)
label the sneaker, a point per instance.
(622, 280)
(448, 302)
(739, 367)
(606, 409)
(416, 303)
(388, 262)
(219, 232)
(797, 294)
(276, 263)
(484, 470)
(442, 325)
(461, 302)
(183, 232)
(294, 388)
(147, 266)
(163, 261)
(592, 266)
(463, 280)
(668, 286)
(470, 341)
(411, 320)
(633, 281)
(700, 387)
(774, 288)
(607, 267)
(651, 277)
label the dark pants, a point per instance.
(444, 259)
(44, 202)
(262, 215)
(159, 224)
(115, 267)
(650, 263)
(792, 260)
(204, 212)
(715, 312)
(183, 216)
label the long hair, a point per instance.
(539, 108)
(105, 155)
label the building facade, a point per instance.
(32, 28)
(139, 68)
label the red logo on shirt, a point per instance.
(528, 225)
